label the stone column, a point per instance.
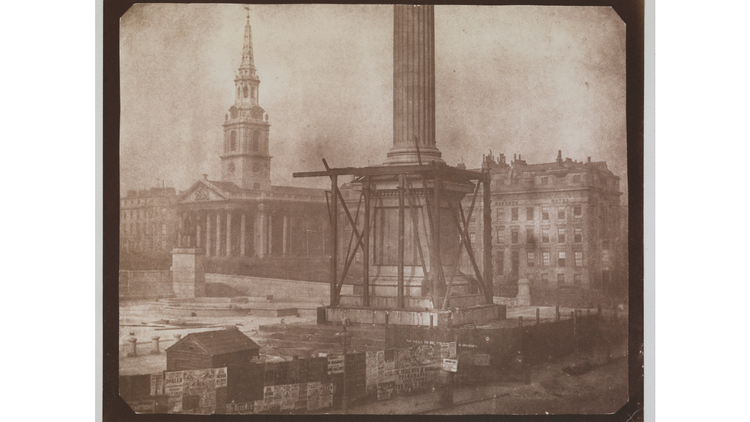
(208, 234)
(270, 234)
(132, 347)
(413, 85)
(260, 221)
(198, 236)
(242, 234)
(229, 233)
(285, 235)
(155, 345)
(218, 233)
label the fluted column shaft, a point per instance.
(413, 84)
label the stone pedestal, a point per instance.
(383, 270)
(523, 297)
(188, 276)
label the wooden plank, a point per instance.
(436, 168)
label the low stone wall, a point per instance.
(156, 284)
(280, 289)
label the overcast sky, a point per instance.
(511, 79)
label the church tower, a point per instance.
(245, 161)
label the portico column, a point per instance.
(242, 234)
(198, 236)
(229, 233)
(208, 234)
(260, 245)
(285, 233)
(218, 233)
(270, 234)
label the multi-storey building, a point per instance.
(148, 223)
(556, 224)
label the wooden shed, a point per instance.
(212, 349)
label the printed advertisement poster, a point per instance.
(157, 384)
(335, 364)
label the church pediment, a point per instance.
(201, 192)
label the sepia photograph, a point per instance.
(373, 209)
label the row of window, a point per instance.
(544, 180)
(531, 238)
(531, 211)
(531, 260)
(561, 279)
(142, 228)
(255, 144)
(141, 213)
(144, 246)
(244, 92)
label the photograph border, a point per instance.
(115, 409)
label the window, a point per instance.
(561, 213)
(472, 238)
(576, 178)
(514, 262)
(501, 214)
(514, 235)
(545, 278)
(529, 235)
(473, 219)
(577, 212)
(579, 259)
(545, 213)
(578, 235)
(500, 262)
(256, 141)
(561, 235)
(545, 180)
(530, 259)
(514, 214)
(545, 259)
(560, 279)
(530, 213)
(501, 235)
(232, 140)
(545, 235)
(577, 279)
(244, 91)
(561, 259)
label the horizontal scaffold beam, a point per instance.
(435, 168)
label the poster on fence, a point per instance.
(335, 364)
(240, 408)
(385, 390)
(447, 350)
(157, 384)
(173, 387)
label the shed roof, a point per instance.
(220, 342)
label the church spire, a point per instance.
(247, 48)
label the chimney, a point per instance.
(205, 176)
(589, 158)
(559, 157)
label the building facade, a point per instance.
(148, 227)
(242, 222)
(556, 224)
